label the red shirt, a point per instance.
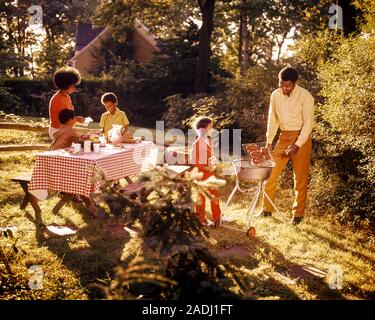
(202, 154)
(58, 102)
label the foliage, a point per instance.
(8, 101)
(7, 236)
(240, 102)
(345, 132)
(183, 111)
(312, 51)
(162, 212)
(31, 97)
(26, 97)
(368, 9)
(52, 56)
(248, 96)
(49, 47)
(171, 72)
(15, 35)
(17, 119)
(60, 19)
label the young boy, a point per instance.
(202, 157)
(65, 81)
(65, 135)
(113, 115)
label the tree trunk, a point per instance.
(280, 46)
(246, 31)
(207, 8)
(350, 16)
(240, 45)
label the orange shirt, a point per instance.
(58, 102)
(202, 155)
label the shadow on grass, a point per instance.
(335, 245)
(94, 261)
(13, 199)
(270, 286)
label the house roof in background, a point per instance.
(85, 34)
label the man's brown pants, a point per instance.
(301, 164)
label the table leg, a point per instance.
(29, 198)
(34, 204)
(66, 197)
(91, 206)
(24, 202)
(128, 180)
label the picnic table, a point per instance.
(72, 174)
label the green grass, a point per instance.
(71, 265)
(9, 137)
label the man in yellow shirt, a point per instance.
(292, 111)
(113, 115)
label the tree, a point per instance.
(164, 18)
(207, 8)
(367, 8)
(17, 37)
(59, 23)
(345, 133)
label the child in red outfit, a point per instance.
(203, 158)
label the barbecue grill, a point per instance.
(254, 178)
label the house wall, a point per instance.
(144, 51)
(85, 61)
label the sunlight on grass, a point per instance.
(259, 267)
(318, 242)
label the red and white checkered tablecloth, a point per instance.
(61, 171)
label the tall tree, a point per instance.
(59, 23)
(367, 8)
(163, 18)
(207, 8)
(14, 20)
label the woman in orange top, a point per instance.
(203, 158)
(65, 80)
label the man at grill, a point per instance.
(292, 111)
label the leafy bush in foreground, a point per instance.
(172, 236)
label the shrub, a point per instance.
(183, 111)
(172, 237)
(239, 102)
(31, 97)
(345, 149)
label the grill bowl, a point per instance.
(246, 172)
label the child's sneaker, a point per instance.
(208, 223)
(217, 223)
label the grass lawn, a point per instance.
(23, 137)
(275, 265)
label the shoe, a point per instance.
(227, 219)
(296, 220)
(217, 223)
(265, 214)
(208, 223)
